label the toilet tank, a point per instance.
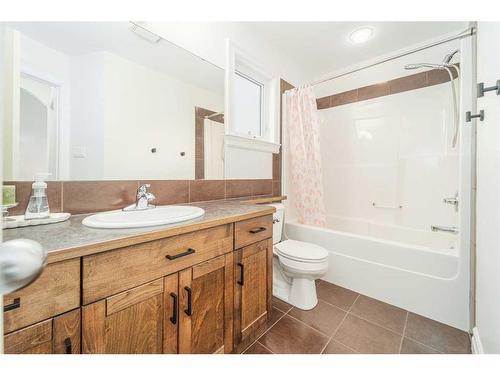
(278, 221)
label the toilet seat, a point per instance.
(299, 251)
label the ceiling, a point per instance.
(78, 38)
(324, 47)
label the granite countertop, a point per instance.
(71, 239)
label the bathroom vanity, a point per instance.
(200, 286)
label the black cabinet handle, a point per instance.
(67, 345)
(173, 318)
(257, 230)
(180, 255)
(13, 305)
(189, 310)
(241, 281)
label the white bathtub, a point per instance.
(418, 278)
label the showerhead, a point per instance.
(449, 56)
(423, 65)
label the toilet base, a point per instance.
(298, 292)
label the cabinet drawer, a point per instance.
(36, 339)
(118, 270)
(253, 230)
(56, 291)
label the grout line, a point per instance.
(340, 343)
(340, 324)
(424, 345)
(403, 335)
(267, 330)
(331, 304)
(307, 325)
(350, 308)
(376, 324)
(258, 343)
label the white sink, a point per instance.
(159, 215)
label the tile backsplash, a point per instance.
(78, 197)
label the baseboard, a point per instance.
(476, 345)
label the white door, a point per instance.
(488, 192)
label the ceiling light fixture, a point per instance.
(361, 35)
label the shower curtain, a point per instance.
(302, 127)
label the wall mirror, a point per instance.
(107, 101)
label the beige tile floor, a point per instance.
(346, 322)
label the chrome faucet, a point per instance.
(143, 199)
(440, 228)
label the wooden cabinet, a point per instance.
(188, 293)
(186, 312)
(59, 335)
(56, 291)
(206, 307)
(130, 322)
(252, 287)
(118, 270)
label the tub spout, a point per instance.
(440, 228)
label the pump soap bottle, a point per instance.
(38, 206)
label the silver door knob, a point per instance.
(21, 262)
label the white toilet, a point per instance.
(296, 266)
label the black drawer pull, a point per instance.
(241, 281)
(189, 310)
(175, 307)
(13, 305)
(67, 345)
(257, 230)
(180, 255)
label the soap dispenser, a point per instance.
(38, 206)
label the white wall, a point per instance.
(487, 331)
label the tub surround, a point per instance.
(201, 286)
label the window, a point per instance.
(248, 106)
(252, 104)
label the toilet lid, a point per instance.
(302, 251)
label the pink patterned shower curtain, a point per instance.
(302, 127)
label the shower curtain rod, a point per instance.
(464, 34)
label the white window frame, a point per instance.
(238, 61)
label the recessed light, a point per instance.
(361, 35)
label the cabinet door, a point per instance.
(252, 278)
(66, 333)
(129, 322)
(206, 307)
(59, 335)
(171, 317)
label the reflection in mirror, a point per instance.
(109, 100)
